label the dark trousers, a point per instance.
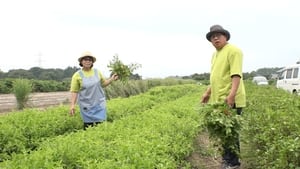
(229, 156)
(86, 125)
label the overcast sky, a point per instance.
(167, 37)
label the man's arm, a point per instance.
(235, 82)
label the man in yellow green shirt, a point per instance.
(226, 82)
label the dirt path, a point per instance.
(8, 101)
(205, 155)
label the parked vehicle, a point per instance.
(260, 80)
(289, 78)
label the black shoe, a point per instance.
(225, 165)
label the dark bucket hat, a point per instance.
(217, 29)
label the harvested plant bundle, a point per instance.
(222, 123)
(123, 71)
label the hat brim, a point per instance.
(224, 32)
(80, 59)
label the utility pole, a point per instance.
(40, 59)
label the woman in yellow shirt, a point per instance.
(87, 89)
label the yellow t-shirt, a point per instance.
(226, 62)
(76, 82)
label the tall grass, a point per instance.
(135, 87)
(22, 89)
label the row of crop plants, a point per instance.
(271, 134)
(153, 130)
(24, 131)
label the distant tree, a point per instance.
(135, 77)
(2, 74)
(59, 74)
(36, 71)
(19, 73)
(69, 71)
(249, 76)
(40, 73)
(203, 76)
(6, 85)
(66, 74)
(267, 72)
(51, 75)
(186, 77)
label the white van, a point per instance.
(289, 78)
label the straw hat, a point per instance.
(87, 54)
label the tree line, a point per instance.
(65, 74)
(49, 80)
(269, 73)
(40, 73)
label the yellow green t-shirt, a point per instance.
(76, 82)
(226, 62)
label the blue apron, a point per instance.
(91, 99)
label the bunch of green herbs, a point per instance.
(223, 125)
(116, 66)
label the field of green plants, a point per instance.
(155, 129)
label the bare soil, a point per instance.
(206, 155)
(8, 102)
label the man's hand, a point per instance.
(205, 97)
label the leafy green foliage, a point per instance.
(267, 72)
(6, 85)
(272, 124)
(156, 132)
(38, 73)
(21, 89)
(222, 123)
(123, 71)
(24, 131)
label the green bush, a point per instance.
(22, 89)
(6, 85)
